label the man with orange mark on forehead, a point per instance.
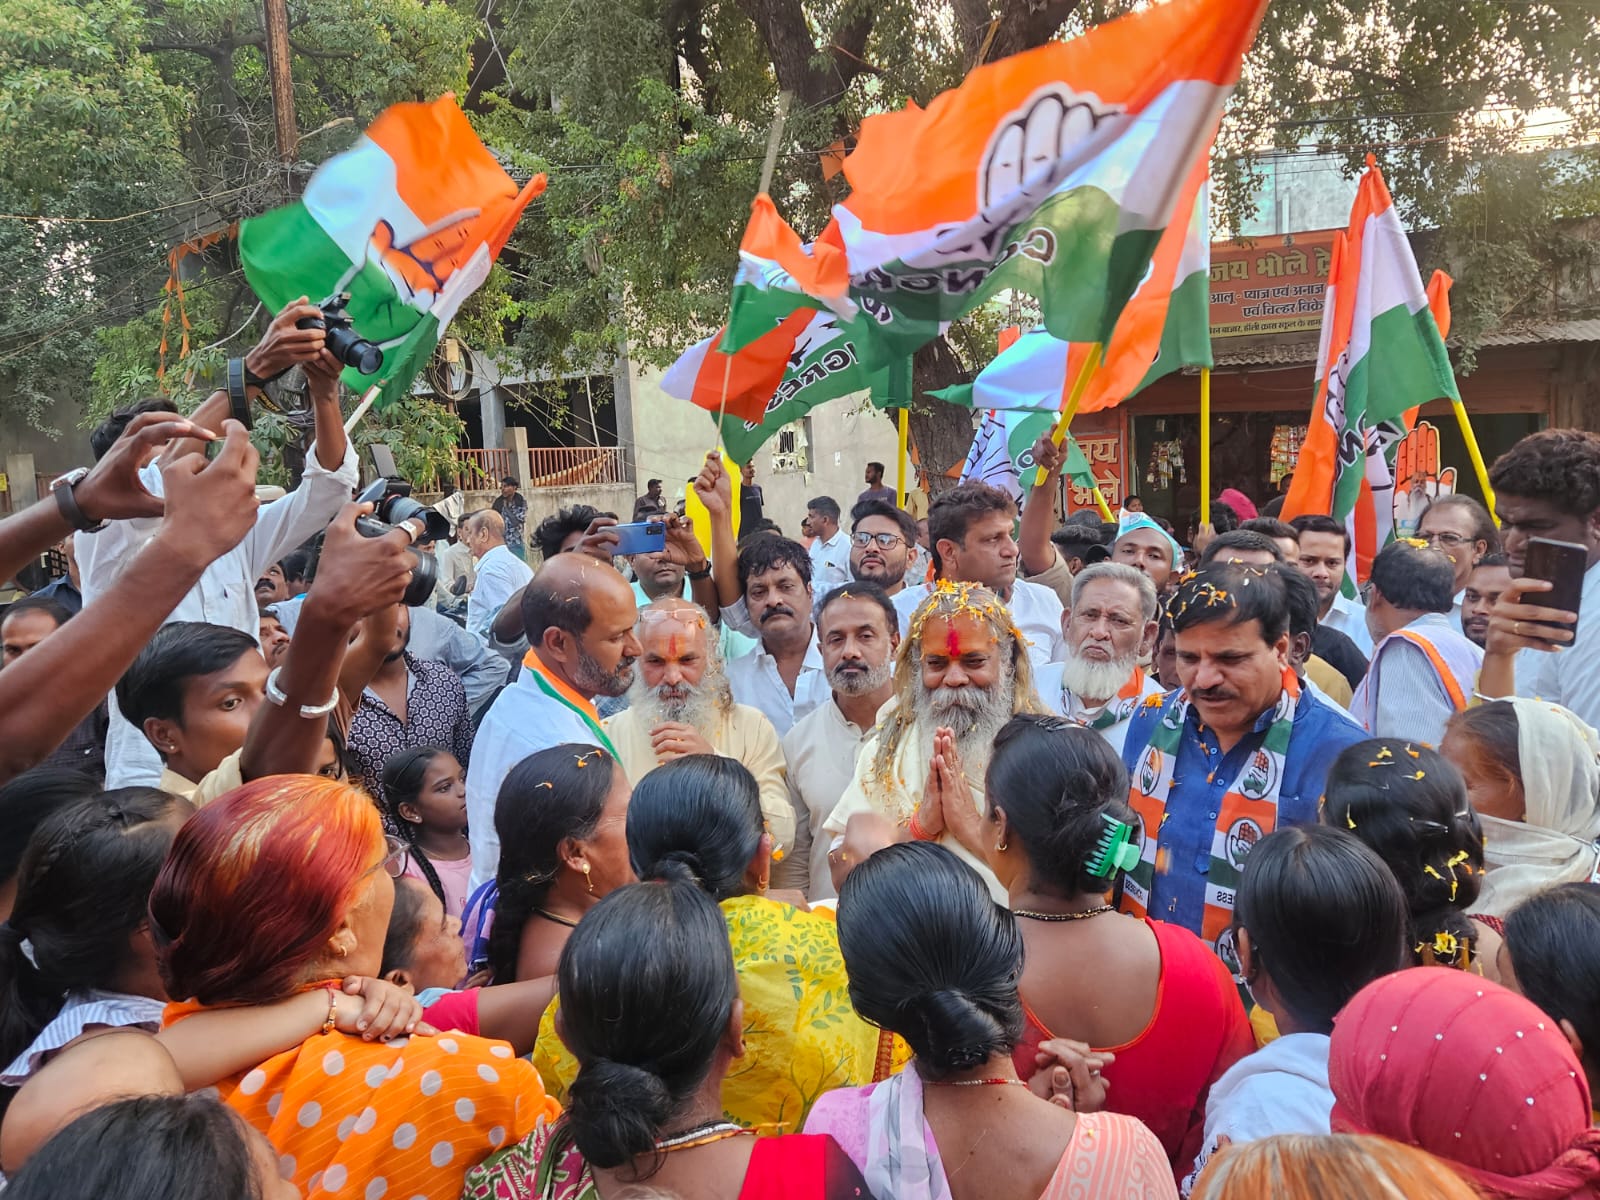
(960, 674)
(680, 704)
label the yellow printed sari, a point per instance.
(802, 1037)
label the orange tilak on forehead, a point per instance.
(673, 633)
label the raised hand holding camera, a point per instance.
(343, 342)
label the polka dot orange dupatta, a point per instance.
(407, 1118)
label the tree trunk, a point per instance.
(941, 432)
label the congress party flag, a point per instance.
(1054, 172)
(1382, 355)
(821, 364)
(408, 221)
(744, 382)
(1166, 326)
(1002, 451)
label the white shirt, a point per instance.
(1349, 617)
(1281, 1088)
(1570, 676)
(521, 721)
(821, 750)
(1035, 609)
(1056, 698)
(755, 681)
(830, 562)
(500, 574)
(226, 592)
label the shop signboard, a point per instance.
(1265, 285)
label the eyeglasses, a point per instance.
(394, 857)
(884, 540)
(1447, 540)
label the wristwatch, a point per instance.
(67, 502)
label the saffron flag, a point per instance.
(1382, 355)
(1053, 172)
(744, 382)
(1165, 326)
(407, 221)
(1002, 451)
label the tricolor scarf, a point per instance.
(561, 692)
(1121, 706)
(1249, 811)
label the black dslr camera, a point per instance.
(394, 508)
(348, 346)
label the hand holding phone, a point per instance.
(640, 537)
(1540, 610)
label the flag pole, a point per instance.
(1205, 445)
(904, 422)
(1070, 409)
(768, 165)
(361, 409)
(1476, 455)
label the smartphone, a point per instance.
(1562, 564)
(641, 537)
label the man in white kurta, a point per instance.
(680, 704)
(961, 673)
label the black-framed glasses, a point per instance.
(884, 540)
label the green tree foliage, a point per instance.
(651, 118)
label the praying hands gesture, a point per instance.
(947, 797)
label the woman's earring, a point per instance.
(1000, 847)
(587, 882)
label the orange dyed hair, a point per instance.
(255, 885)
(1303, 1167)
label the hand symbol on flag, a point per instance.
(419, 268)
(1024, 147)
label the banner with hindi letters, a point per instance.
(1267, 285)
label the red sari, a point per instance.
(1196, 1032)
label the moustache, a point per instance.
(964, 699)
(1214, 694)
(780, 610)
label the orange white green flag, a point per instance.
(1053, 172)
(407, 221)
(1165, 327)
(1381, 356)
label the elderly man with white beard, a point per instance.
(962, 672)
(680, 704)
(1109, 628)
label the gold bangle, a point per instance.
(333, 1010)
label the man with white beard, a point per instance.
(858, 630)
(961, 673)
(1109, 628)
(680, 704)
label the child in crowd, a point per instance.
(424, 953)
(1318, 916)
(425, 797)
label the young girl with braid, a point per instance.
(425, 795)
(1406, 802)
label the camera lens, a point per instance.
(353, 350)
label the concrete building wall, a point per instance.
(671, 438)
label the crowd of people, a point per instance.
(933, 854)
